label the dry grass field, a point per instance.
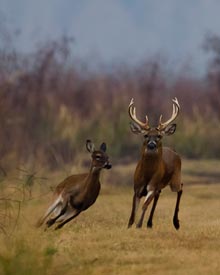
(98, 241)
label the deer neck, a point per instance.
(150, 161)
(93, 177)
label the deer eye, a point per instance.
(98, 157)
(146, 136)
(159, 136)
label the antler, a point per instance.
(132, 114)
(176, 108)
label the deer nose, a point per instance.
(151, 145)
(108, 165)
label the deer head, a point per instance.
(153, 135)
(99, 157)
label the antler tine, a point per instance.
(132, 114)
(176, 108)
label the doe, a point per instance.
(158, 166)
(77, 192)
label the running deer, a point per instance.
(158, 166)
(77, 192)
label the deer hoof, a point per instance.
(176, 223)
(129, 226)
(139, 225)
(149, 224)
(50, 222)
(59, 226)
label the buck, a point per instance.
(77, 192)
(158, 166)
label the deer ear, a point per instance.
(90, 146)
(103, 147)
(135, 128)
(170, 129)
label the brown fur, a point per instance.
(77, 192)
(155, 170)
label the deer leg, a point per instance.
(51, 221)
(68, 213)
(147, 201)
(175, 217)
(149, 222)
(68, 218)
(57, 202)
(135, 204)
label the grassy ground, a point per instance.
(98, 241)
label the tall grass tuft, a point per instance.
(23, 258)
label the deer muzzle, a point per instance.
(107, 165)
(151, 145)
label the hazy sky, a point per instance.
(118, 29)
